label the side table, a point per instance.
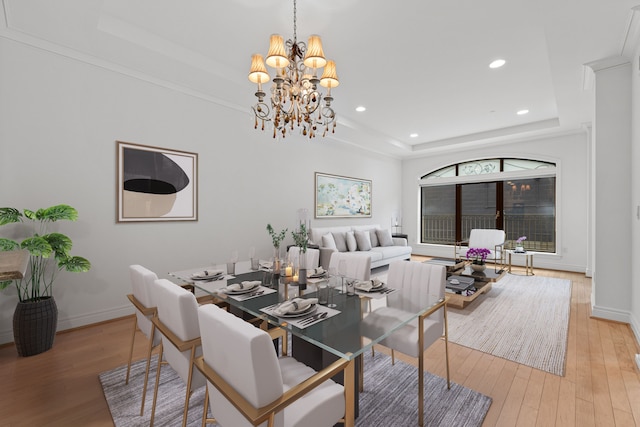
(528, 261)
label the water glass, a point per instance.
(323, 292)
(255, 264)
(231, 268)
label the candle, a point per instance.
(288, 271)
(295, 278)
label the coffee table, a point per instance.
(483, 281)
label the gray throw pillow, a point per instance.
(352, 245)
(363, 238)
(384, 237)
(374, 238)
(341, 243)
(328, 242)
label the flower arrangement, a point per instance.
(301, 238)
(276, 238)
(478, 254)
(520, 240)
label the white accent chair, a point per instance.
(177, 321)
(417, 283)
(358, 265)
(249, 385)
(142, 298)
(491, 239)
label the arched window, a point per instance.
(516, 195)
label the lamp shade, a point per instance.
(258, 73)
(277, 55)
(329, 76)
(315, 55)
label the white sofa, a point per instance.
(393, 248)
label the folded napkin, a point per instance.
(294, 305)
(265, 265)
(243, 285)
(368, 285)
(316, 272)
(206, 274)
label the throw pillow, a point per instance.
(328, 242)
(363, 238)
(352, 245)
(374, 238)
(384, 237)
(341, 243)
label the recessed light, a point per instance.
(497, 63)
(414, 135)
(522, 112)
(361, 109)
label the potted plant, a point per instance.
(276, 239)
(478, 257)
(36, 315)
(301, 239)
(520, 244)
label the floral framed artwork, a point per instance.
(156, 184)
(342, 197)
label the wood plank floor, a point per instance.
(601, 386)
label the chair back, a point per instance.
(243, 356)
(142, 282)
(312, 257)
(178, 311)
(358, 265)
(416, 282)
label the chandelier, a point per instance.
(295, 99)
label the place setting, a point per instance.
(208, 275)
(246, 290)
(300, 312)
(374, 288)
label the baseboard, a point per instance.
(635, 328)
(78, 321)
(611, 314)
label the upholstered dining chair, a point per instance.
(417, 283)
(312, 256)
(142, 298)
(249, 385)
(177, 321)
(358, 266)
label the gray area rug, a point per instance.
(522, 318)
(389, 399)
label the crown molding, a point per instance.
(631, 43)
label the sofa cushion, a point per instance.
(363, 238)
(392, 251)
(328, 242)
(316, 233)
(384, 237)
(373, 236)
(340, 240)
(352, 245)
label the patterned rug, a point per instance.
(522, 318)
(389, 398)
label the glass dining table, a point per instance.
(317, 343)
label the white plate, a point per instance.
(241, 291)
(312, 308)
(378, 289)
(212, 277)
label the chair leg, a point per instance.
(155, 391)
(206, 405)
(146, 371)
(133, 338)
(446, 345)
(393, 357)
(186, 402)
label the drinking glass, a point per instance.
(332, 284)
(342, 272)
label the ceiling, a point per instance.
(418, 66)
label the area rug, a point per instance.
(389, 398)
(522, 318)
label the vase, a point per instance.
(478, 267)
(519, 248)
(34, 325)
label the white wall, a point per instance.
(635, 192)
(59, 120)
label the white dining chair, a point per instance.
(312, 257)
(418, 285)
(249, 385)
(142, 298)
(177, 321)
(358, 266)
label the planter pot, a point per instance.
(34, 325)
(478, 267)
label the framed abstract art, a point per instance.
(342, 197)
(156, 184)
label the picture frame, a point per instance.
(155, 184)
(339, 196)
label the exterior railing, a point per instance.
(539, 229)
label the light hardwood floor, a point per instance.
(601, 386)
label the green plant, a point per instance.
(277, 238)
(49, 253)
(301, 238)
